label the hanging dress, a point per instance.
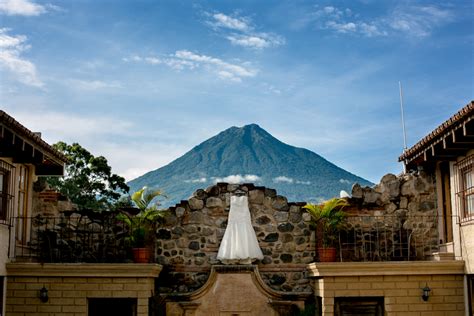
(239, 243)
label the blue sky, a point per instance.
(142, 82)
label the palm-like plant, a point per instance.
(140, 225)
(330, 216)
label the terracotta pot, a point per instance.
(327, 254)
(141, 255)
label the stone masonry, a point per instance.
(189, 240)
(400, 210)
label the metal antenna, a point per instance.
(403, 125)
(403, 119)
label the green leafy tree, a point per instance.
(88, 180)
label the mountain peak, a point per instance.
(247, 135)
(252, 126)
(248, 127)
(249, 153)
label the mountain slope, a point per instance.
(250, 154)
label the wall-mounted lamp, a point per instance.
(426, 293)
(43, 295)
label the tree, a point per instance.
(88, 180)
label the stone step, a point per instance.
(442, 256)
(447, 247)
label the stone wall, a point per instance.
(393, 221)
(399, 210)
(188, 242)
(49, 202)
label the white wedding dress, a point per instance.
(239, 243)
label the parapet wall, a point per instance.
(402, 209)
(395, 220)
(189, 241)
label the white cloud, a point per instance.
(129, 159)
(125, 160)
(21, 7)
(69, 126)
(371, 30)
(11, 49)
(132, 58)
(237, 71)
(257, 41)
(199, 180)
(233, 23)
(184, 59)
(268, 88)
(94, 85)
(243, 32)
(281, 179)
(415, 21)
(345, 181)
(303, 182)
(342, 27)
(237, 178)
(329, 9)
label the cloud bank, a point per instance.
(25, 8)
(12, 61)
(188, 60)
(410, 20)
(239, 31)
(237, 178)
(283, 179)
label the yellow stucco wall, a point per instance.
(399, 283)
(467, 245)
(463, 230)
(70, 285)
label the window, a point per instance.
(465, 187)
(7, 172)
(112, 306)
(358, 306)
(22, 212)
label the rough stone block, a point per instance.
(195, 203)
(256, 196)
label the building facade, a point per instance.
(24, 157)
(406, 249)
(448, 153)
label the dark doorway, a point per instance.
(1, 294)
(359, 306)
(446, 196)
(470, 282)
(112, 306)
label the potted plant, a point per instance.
(329, 217)
(141, 226)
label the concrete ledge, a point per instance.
(385, 268)
(442, 256)
(122, 270)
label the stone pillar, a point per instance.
(189, 308)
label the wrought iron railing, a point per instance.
(386, 238)
(7, 189)
(75, 237)
(100, 237)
